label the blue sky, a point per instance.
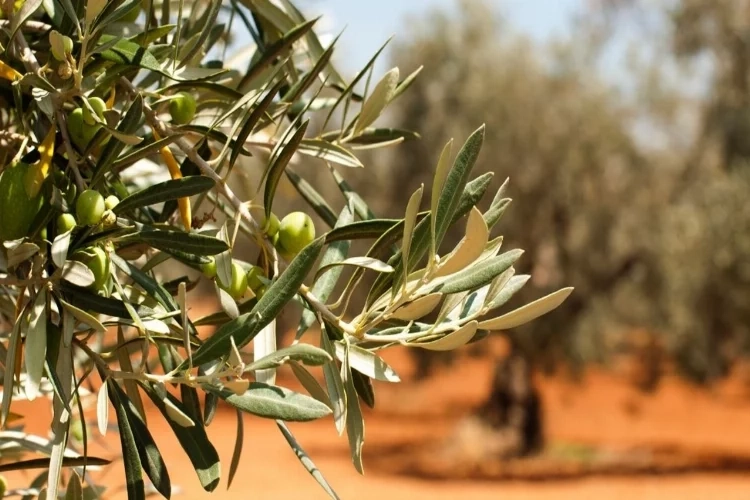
(368, 24)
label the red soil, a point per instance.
(680, 442)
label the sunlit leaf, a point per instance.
(367, 363)
(528, 312)
(270, 401)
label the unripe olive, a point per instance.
(271, 225)
(209, 268)
(238, 286)
(253, 278)
(80, 132)
(65, 222)
(296, 231)
(3, 486)
(97, 261)
(99, 107)
(90, 207)
(17, 209)
(111, 201)
(182, 108)
(260, 292)
(76, 430)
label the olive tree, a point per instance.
(122, 130)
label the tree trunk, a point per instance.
(513, 408)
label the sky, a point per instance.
(368, 24)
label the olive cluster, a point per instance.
(290, 235)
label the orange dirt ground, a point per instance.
(606, 441)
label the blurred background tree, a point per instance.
(634, 189)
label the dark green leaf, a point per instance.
(193, 440)
(252, 120)
(279, 163)
(130, 54)
(214, 87)
(167, 190)
(191, 402)
(149, 456)
(363, 386)
(198, 244)
(43, 463)
(239, 439)
(130, 453)
(83, 299)
(306, 81)
(128, 125)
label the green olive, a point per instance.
(296, 231)
(271, 225)
(99, 107)
(81, 133)
(65, 222)
(3, 486)
(97, 261)
(182, 108)
(17, 209)
(238, 286)
(76, 430)
(209, 268)
(254, 276)
(90, 207)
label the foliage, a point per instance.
(87, 93)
